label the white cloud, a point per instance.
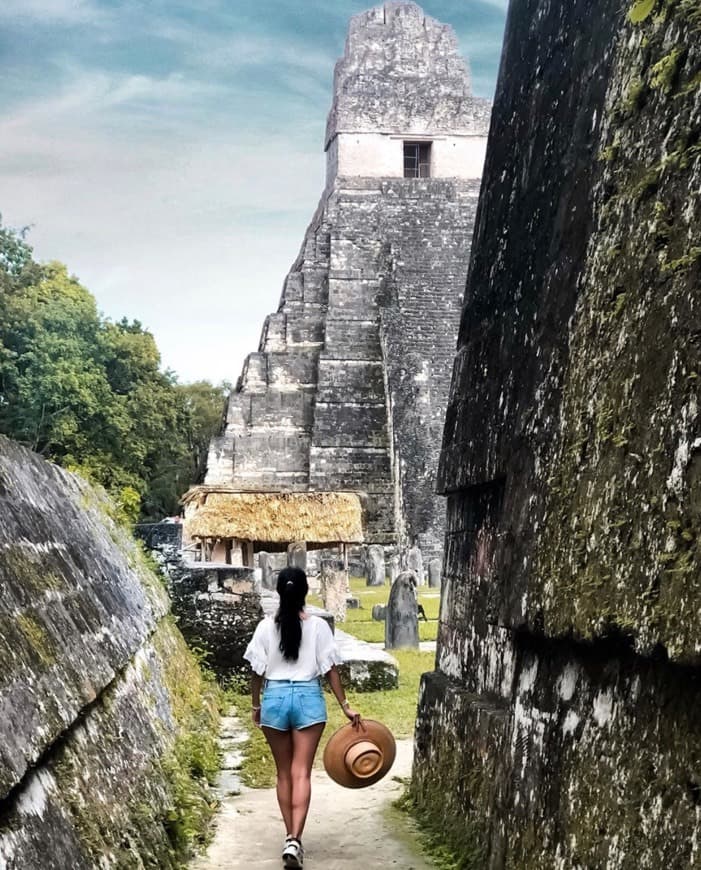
(191, 233)
(86, 94)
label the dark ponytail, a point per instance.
(292, 588)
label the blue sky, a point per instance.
(170, 152)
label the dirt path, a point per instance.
(346, 828)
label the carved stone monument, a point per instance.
(434, 573)
(393, 568)
(265, 563)
(401, 622)
(334, 587)
(415, 563)
(376, 565)
(297, 555)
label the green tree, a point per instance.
(204, 406)
(55, 394)
(15, 253)
(90, 394)
(201, 408)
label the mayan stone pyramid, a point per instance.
(348, 388)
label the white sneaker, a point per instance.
(293, 854)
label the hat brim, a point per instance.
(346, 736)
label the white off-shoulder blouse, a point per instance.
(317, 651)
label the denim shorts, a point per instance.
(290, 704)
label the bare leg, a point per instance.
(304, 746)
(280, 743)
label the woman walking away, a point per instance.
(292, 650)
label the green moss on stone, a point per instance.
(459, 850)
(641, 10)
(634, 97)
(194, 761)
(450, 846)
(647, 182)
(158, 811)
(664, 72)
(37, 637)
(28, 573)
(631, 369)
(684, 262)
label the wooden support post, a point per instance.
(248, 554)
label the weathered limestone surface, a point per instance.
(349, 385)
(334, 587)
(401, 619)
(386, 80)
(364, 667)
(166, 539)
(569, 663)
(217, 608)
(73, 610)
(105, 793)
(89, 718)
(376, 565)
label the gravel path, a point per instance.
(346, 827)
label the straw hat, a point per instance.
(357, 757)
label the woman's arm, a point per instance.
(337, 688)
(256, 683)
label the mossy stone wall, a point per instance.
(622, 513)
(107, 728)
(572, 458)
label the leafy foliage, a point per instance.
(89, 393)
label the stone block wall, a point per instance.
(394, 253)
(217, 610)
(428, 261)
(402, 73)
(92, 717)
(568, 663)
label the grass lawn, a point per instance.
(395, 707)
(360, 623)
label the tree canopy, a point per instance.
(89, 393)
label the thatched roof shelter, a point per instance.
(273, 517)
